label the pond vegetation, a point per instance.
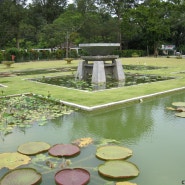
(65, 171)
(23, 111)
(69, 81)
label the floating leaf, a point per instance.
(118, 169)
(180, 114)
(83, 142)
(23, 176)
(32, 148)
(112, 152)
(170, 108)
(64, 150)
(125, 183)
(76, 176)
(178, 104)
(13, 160)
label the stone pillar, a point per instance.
(80, 71)
(118, 72)
(98, 74)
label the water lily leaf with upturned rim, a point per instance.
(76, 176)
(112, 152)
(178, 104)
(180, 114)
(32, 148)
(67, 150)
(22, 176)
(125, 183)
(118, 169)
(13, 160)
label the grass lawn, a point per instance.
(18, 84)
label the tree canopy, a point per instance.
(134, 24)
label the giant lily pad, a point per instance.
(125, 183)
(23, 176)
(32, 148)
(180, 114)
(76, 176)
(112, 152)
(178, 104)
(13, 160)
(118, 169)
(61, 150)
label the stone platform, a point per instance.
(99, 67)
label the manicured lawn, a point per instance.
(18, 84)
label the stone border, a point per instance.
(138, 99)
(1, 85)
(109, 105)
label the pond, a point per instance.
(153, 133)
(131, 79)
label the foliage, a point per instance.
(118, 169)
(44, 24)
(64, 150)
(47, 164)
(32, 148)
(13, 160)
(112, 152)
(76, 176)
(23, 176)
(179, 108)
(130, 53)
(23, 111)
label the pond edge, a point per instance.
(138, 99)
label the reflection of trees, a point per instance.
(128, 123)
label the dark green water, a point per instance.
(156, 136)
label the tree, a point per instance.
(153, 19)
(12, 14)
(177, 18)
(49, 9)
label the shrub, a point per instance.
(130, 53)
(9, 52)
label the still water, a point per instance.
(155, 135)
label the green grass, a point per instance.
(17, 84)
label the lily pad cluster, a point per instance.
(29, 176)
(115, 165)
(179, 108)
(23, 111)
(31, 154)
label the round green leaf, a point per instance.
(32, 148)
(118, 169)
(23, 176)
(13, 160)
(178, 104)
(76, 176)
(112, 152)
(180, 114)
(61, 150)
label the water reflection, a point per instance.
(154, 134)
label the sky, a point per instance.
(69, 1)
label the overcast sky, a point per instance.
(69, 1)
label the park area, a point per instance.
(124, 135)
